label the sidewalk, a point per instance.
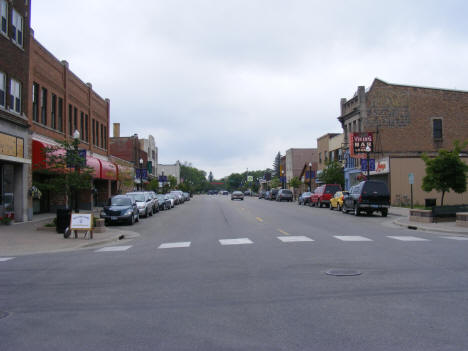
(402, 220)
(24, 238)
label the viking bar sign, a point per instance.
(360, 141)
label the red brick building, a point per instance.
(405, 122)
(15, 153)
(61, 104)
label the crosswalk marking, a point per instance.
(113, 248)
(174, 245)
(4, 259)
(239, 241)
(454, 237)
(291, 239)
(352, 238)
(407, 238)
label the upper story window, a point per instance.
(4, 16)
(44, 106)
(15, 96)
(35, 102)
(17, 25)
(2, 89)
(437, 128)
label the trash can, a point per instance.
(430, 202)
(63, 219)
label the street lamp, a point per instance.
(283, 181)
(368, 150)
(141, 174)
(310, 176)
(76, 137)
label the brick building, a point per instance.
(404, 122)
(15, 153)
(62, 104)
(296, 159)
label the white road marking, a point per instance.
(352, 238)
(174, 245)
(292, 239)
(113, 248)
(407, 238)
(454, 237)
(240, 241)
(4, 259)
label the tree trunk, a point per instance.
(442, 200)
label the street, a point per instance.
(216, 274)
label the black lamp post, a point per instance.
(368, 150)
(141, 174)
(310, 176)
(283, 181)
(76, 137)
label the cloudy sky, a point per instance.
(226, 84)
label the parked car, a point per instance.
(180, 195)
(120, 208)
(272, 194)
(261, 194)
(144, 203)
(237, 195)
(267, 195)
(154, 201)
(225, 192)
(304, 198)
(368, 196)
(337, 200)
(322, 195)
(163, 202)
(172, 198)
(186, 196)
(284, 195)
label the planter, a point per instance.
(422, 216)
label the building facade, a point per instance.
(149, 146)
(15, 151)
(170, 170)
(296, 159)
(404, 122)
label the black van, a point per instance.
(368, 196)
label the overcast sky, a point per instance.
(226, 84)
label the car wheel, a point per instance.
(338, 207)
(384, 213)
(131, 220)
(357, 212)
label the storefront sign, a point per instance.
(364, 165)
(81, 221)
(11, 145)
(361, 143)
(382, 166)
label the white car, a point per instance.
(144, 203)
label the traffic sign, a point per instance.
(411, 178)
(250, 178)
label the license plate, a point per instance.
(113, 218)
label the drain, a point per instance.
(3, 314)
(343, 272)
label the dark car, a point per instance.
(164, 202)
(368, 196)
(120, 208)
(284, 195)
(322, 195)
(304, 199)
(272, 194)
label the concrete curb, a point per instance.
(420, 226)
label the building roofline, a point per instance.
(416, 86)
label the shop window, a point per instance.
(70, 120)
(4, 16)
(437, 128)
(17, 26)
(2, 89)
(86, 128)
(82, 134)
(44, 106)
(15, 96)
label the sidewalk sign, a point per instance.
(82, 222)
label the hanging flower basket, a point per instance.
(7, 218)
(35, 193)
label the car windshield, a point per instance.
(331, 189)
(287, 192)
(120, 201)
(375, 187)
(138, 197)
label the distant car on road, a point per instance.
(304, 198)
(284, 195)
(237, 195)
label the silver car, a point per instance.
(237, 195)
(144, 203)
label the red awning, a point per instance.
(125, 173)
(108, 170)
(95, 164)
(39, 156)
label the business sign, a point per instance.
(162, 179)
(81, 221)
(141, 173)
(309, 174)
(364, 164)
(382, 166)
(11, 145)
(359, 143)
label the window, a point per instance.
(82, 126)
(17, 25)
(97, 133)
(437, 128)
(2, 89)
(60, 115)
(35, 102)
(15, 96)
(4, 16)
(75, 119)
(105, 137)
(86, 129)
(53, 112)
(102, 136)
(94, 132)
(44, 106)
(70, 120)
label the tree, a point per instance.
(275, 183)
(172, 182)
(445, 171)
(295, 183)
(333, 174)
(276, 165)
(194, 180)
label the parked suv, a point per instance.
(322, 195)
(368, 196)
(284, 195)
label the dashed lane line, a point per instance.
(259, 219)
(294, 239)
(113, 248)
(4, 259)
(174, 245)
(283, 232)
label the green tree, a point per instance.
(446, 171)
(194, 180)
(333, 174)
(275, 183)
(295, 183)
(276, 165)
(172, 182)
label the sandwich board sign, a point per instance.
(82, 222)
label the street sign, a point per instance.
(411, 178)
(364, 164)
(250, 178)
(162, 179)
(143, 172)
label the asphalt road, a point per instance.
(261, 292)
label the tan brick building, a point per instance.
(405, 122)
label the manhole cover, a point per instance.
(3, 314)
(343, 272)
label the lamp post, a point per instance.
(141, 174)
(283, 181)
(76, 140)
(310, 176)
(368, 150)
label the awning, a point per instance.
(95, 164)
(108, 170)
(39, 156)
(125, 173)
